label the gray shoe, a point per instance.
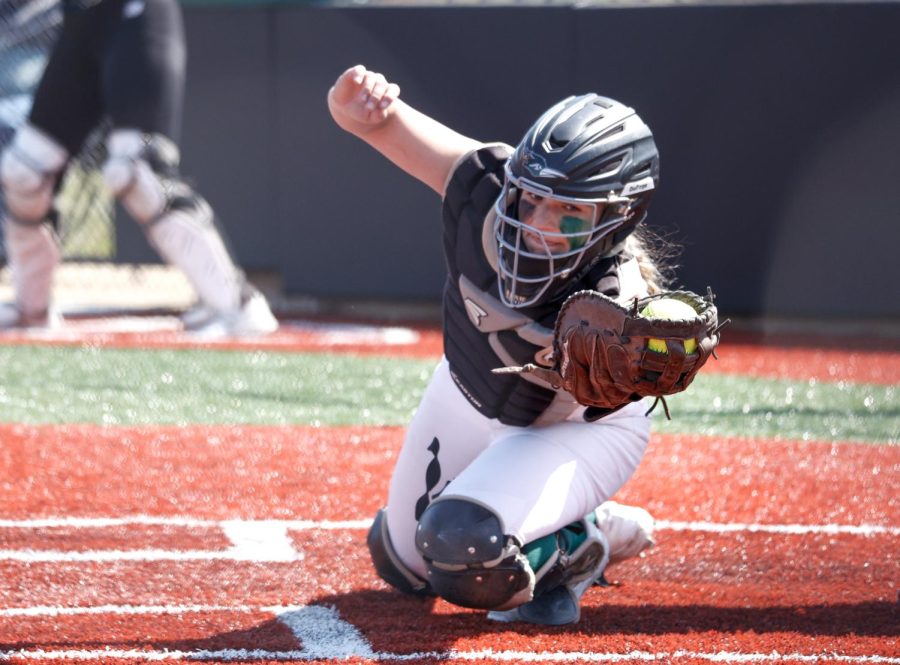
(556, 607)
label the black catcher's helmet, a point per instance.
(586, 151)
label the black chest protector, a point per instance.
(480, 332)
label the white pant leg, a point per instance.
(445, 435)
(538, 479)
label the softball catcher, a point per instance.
(123, 60)
(500, 496)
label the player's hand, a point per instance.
(361, 99)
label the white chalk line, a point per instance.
(251, 540)
(786, 529)
(258, 540)
(268, 540)
(307, 525)
(245, 655)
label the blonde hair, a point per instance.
(655, 256)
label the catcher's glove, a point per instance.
(601, 355)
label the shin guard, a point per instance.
(142, 171)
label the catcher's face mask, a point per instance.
(543, 238)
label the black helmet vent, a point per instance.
(642, 171)
(557, 143)
(612, 166)
(618, 129)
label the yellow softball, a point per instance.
(669, 309)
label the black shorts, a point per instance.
(122, 59)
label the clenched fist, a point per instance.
(361, 99)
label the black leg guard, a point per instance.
(388, 564)
(470, 561)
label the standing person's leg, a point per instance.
(66, 107)
(445, 435)
(30, 171)
(144, 68)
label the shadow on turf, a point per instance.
(869, 619)
(391, 615)
(397, 623)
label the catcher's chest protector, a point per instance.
(480, 333)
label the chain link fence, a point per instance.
(89, 278)
(27, 31)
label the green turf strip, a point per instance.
(811, 410)
(127, 387)
(136, 387)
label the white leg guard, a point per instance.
(33, 254)
(29, 170)
(188, 239)
(142, 171)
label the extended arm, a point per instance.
(366, 105)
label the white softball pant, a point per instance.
(536, 479)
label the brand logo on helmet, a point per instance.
(533, 163)
(638, 186)
(537, 166)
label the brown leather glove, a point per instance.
(601, 355)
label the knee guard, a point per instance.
(142, 172)
(470, 561)
(29, 171)
(388, 564)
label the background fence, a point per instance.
(27, 30)
(778, 126)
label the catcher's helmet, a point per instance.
(587, 151)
